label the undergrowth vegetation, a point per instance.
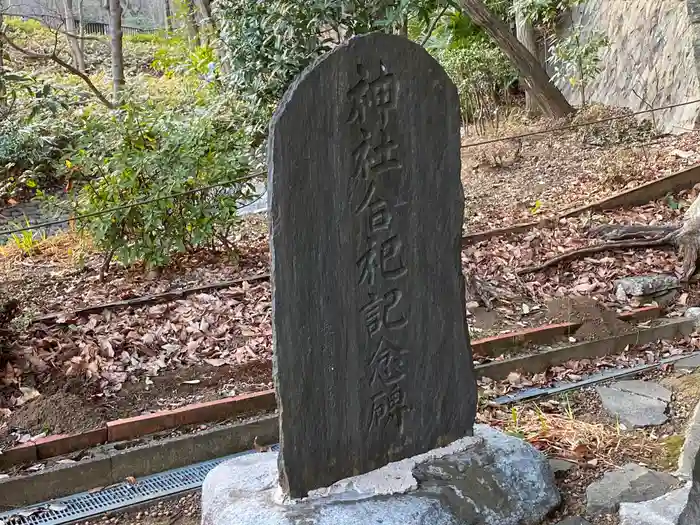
(195, 113)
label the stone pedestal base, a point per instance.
(664, 510)
(487, 479)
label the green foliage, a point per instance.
(544, 14)
(25, 241)
(481, 73)
(268, 43)
(457, 30)
(152, 152)
(181, 60)
(576, 59)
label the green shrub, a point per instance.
(481, 72)
(154, 152)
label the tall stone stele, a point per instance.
(372, 360)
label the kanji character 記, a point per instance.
(387, 363)
(378, 313)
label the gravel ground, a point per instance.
(183, 510)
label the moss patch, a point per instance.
(672, 447)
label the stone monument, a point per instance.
(371, 348)
(372, 362)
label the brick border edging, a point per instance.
(535, 363)
(115, 466)
(199, 413)
(139, 426)
(490, 346)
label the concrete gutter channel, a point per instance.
(129, 448)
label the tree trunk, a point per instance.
(81, 22)
(548, 97)
(206, 11)
(75, 50)
(115, 33)
(214, 27)
(191, 19)
(688, 240)
(168, 16)
(527, 37)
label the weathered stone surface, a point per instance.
(505, 478)
(691, 512)
(691, 445)
(488, 483)
(574, 520)
(643, 388)
(632, 483)
(689, 363)
(663, 510)
(650, 59)
(693, 313)
(641, 285)
(632, 410)
(560, 466)
(371, 353)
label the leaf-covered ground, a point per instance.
(215, 343)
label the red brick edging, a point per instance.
(490, 346)
(139, 426)
(198, 413)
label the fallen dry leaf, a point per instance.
(28, 393)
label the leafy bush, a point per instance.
(153, 152)
(576, 59)
(544, 14)
(180, 60)
(481, 73)
(32, 134)
(268, 43)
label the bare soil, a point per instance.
(71, 406)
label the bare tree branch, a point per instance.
(65, 65)
(433, 24)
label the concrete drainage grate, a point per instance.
(90, 504)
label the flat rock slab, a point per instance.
(636, 403)
(646, 284)
(643, 388)
(561, 465)
(663, 510)
(633, 483)
(488, 479)
(689, 363)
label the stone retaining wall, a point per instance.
(654, 52)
